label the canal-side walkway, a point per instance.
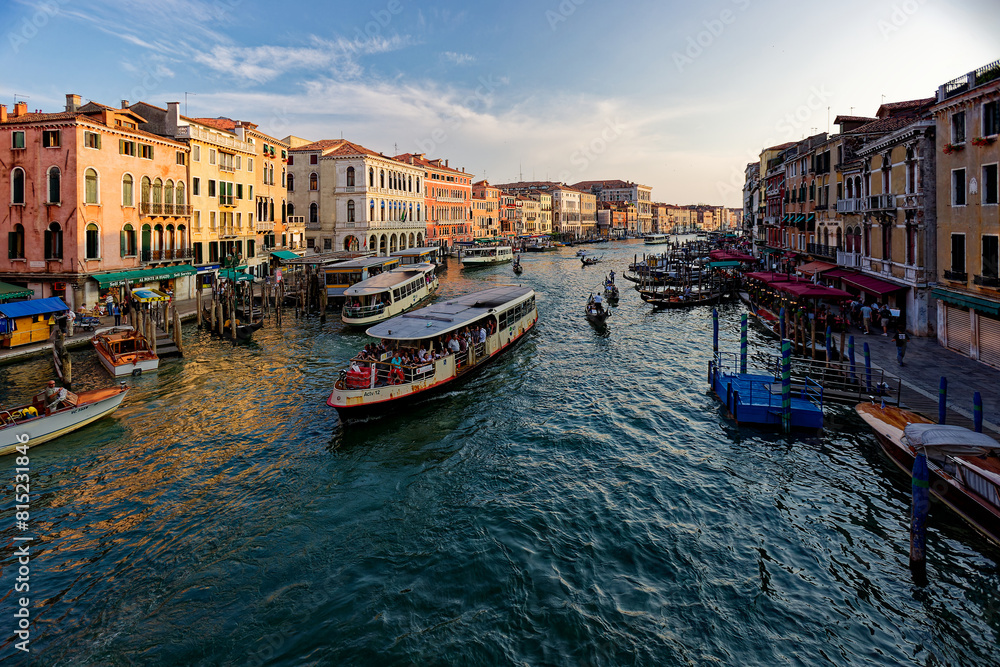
(923, 366)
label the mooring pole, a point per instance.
(977, 412)
(786, 386)
(918, 514)
(781, 322)
(743, 343)
(715, 331)
(868, 367)
(850, 356)
(942, 400)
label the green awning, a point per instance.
(236, 275)
(723, 265)
(8, 291)
(284, 254)
(967, 300)
(119, 278)
(811, 217)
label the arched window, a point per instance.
(418, 212)
(169, 238)
(54, 186)
(418, 185)
(381, 178)
(157, 238)
(371, 177)
(840, 239)
(371, 211)
(887, 242)
(145, 192)
(157, 195)
(90, 186)
(182, 238)
(383, 212)
(313, 212)
(372, 242)
(350, 177)
(15, 242)
(128, 190)
(291, 209)
(17, 186)
(93, 241)
(179, 196)
(53, 242)
(291, 183)
(313, 181)
(168, 198)
(409, 181)
(127, 241)
(350, 210)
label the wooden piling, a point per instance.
(197, 305)
(177, 332)
(918, 514)
(812, 327)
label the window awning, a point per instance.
(815, 267)
(967, 300)
(53, 304)
(811, 217)
(8, 291)
(119, 278)
(284, 254)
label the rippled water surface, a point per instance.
(582, 501)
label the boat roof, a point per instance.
(386, 281)
(411, 252)
(949, 439)
(362, 263)
(445, 316)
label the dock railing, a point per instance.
(765, 389)
(842, 385)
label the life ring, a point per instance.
(136, 372)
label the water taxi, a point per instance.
(456, 337)
(342, 275)
(388, 294)
(425, 255)
(472, 257)
(46, 419)
(125, 352)
(655, 239)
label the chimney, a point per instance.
(124, 104)
(446, 163)
(173, 118)
(3, 113)
(20, 109)
(72, 102)
(240, 131)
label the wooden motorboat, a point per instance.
(680, 299)
(964, 466)
(32, 424)
(125, 352)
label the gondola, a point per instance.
(680, 300)
(517, 266)
(611, 292)
(589, 261)
(595, 312)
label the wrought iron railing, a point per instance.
(986, 281)
(957, 276)
(821, 249)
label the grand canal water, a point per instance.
(583, 501)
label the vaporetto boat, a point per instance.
(458, 336)
(655, 239)
(487, 255)
(389, 294)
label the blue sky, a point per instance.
(676, 95)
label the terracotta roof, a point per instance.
(39, 117)
(86, 118)
(892, 108)
(606, 185)
(350, 148)
(424, 162)
(223, 123)
(321, 145)
(852, 119)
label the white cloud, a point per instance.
(458, 58)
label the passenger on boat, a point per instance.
(54, 396)
(482, 334)
(396, 370)
(454, 345)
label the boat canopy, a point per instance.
(384, 282)
(149, 295)
(948, 439)
(355, 264)
(445, 316)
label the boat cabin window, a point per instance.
(342, 278)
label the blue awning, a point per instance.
(53, 304)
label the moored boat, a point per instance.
(125, 352)
(429, 349)
(35, 423)
(964, 466)
(655, 239)
(389, 294)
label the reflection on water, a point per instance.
(581, 501)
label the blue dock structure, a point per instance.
(762, 395)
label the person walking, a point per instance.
(884, 316)
(116, 311)
(900, 338)
(866, 317)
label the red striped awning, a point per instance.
(865, 283)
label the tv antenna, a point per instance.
(23, 97)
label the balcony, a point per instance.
(820, 207)
(957, 276)
(295, 221)
(154, 209)
(822, 250)
(910, 201)
(850, 260)
(314, 226)
(152, 256)
(848, 206)
(986, 281)
(227, 200)
(882, 203)
(263, 227)
(227, 167)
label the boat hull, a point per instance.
(943, 486)
(48, 427)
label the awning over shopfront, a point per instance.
(871, 285)
(815, 267)
(236, 275)
(284, 254)
(967, 300)
(8, 291)
(810, 291)
(139, 276)
(728, 264)
(53, 304)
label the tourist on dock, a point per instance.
(70, 319)
(900, 338)
(866, 317)
(116, 311)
